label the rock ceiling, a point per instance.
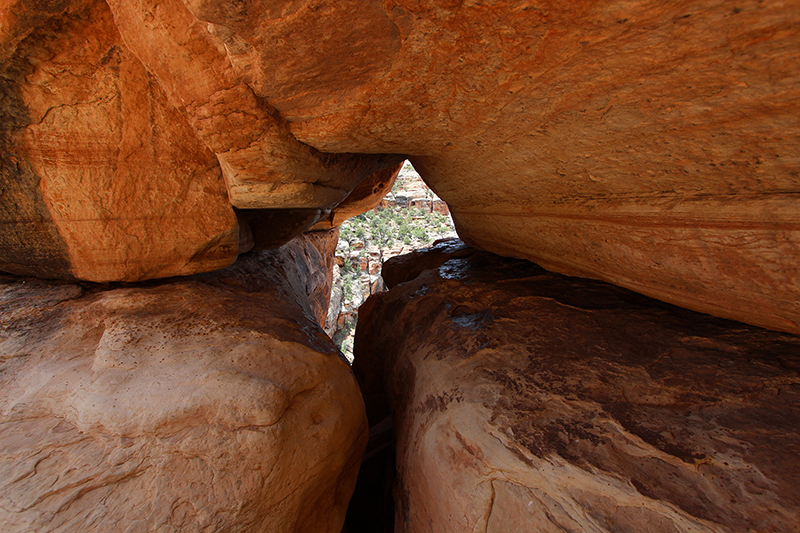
(647, 144)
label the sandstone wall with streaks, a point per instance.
(649, 145)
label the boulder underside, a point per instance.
(651, 145)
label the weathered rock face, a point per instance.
(213, 403)
(101, 178)
(654, 146)
(647, 144)
(194, 49)
(106, 176)
(528, 401)
(366, 196)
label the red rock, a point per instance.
(529, 401)
(374, 266)
(193, 51)
(440, 207)
(388, 202)
(102, 179)
(366, 196)
(420, 203)
(214, 402)
(647, 144)
(111, 172)
(306, 264)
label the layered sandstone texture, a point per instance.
(209, 403)
(530, 401)
(102, 179)
(650, 144)
(366, 196)
(109, 172)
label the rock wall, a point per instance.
(648, 144)
(178, 405)
(100, 177)
(525, 400)
(653, 146)
(117, 170)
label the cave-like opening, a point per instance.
(409, 217)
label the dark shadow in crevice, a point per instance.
(371, 508)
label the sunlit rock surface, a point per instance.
(108, 172)
(209, 403)
(647, 144)
(652, 145)
(529, 401)
(100, 177)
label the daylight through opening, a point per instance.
(409, 217)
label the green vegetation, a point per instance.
(350, 278)
(344, 336)
(384, 228)
(400, 182)
(374, 236)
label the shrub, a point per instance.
(347, 287)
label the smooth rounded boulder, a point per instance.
(210, 403)
(525, 400)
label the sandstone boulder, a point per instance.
(109, 173)
(209, 403)
(651, 145)
(530, 401)
(207, 56)
(100, 177)
(647, 144)
(366, 196)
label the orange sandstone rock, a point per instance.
(650, 145)
(194, 49)
(525, 400)
(101, 178)
(366, 196)
(214, 402)
(109, 172)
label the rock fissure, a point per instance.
(651, 146)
